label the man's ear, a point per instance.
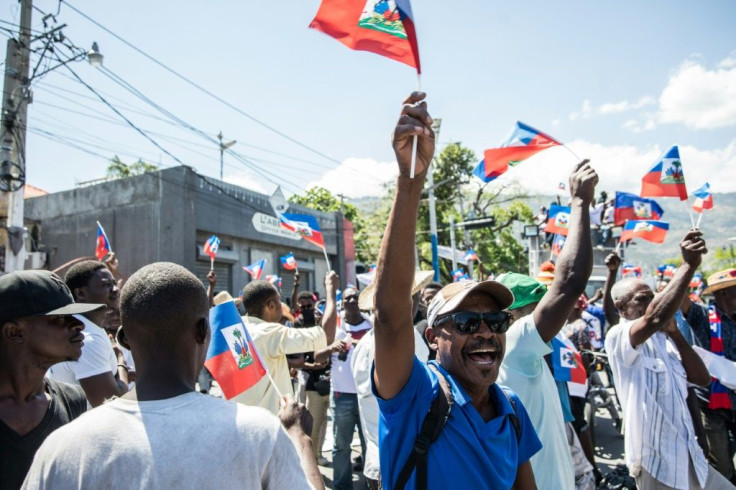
(13, 332)
(79, 294)
(431, 337)
(618, 304)
(203, 330)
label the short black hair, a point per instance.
(305, 295)
(433, 285)
(159, 301)
(256, 295)
(81, 273)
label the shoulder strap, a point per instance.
(514, 418)
(432, 426)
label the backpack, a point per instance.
(434, 422)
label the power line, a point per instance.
(201, 88)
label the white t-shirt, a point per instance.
(525, 371)
(341, 374)
(652, 384)
(362, 365)
(98, 357)
(189, 441)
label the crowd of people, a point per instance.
(447, 386)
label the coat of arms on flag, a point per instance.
(672, 171)
(237, 342)
(384, 16)
(642, 209)
(644, 226)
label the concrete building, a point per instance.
(169, 214)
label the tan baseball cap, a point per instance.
(450, 297)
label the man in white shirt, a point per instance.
(101, 371)
(274, 341)
(652, 363)
(160, 434)
(538, 316)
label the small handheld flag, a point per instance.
(628, 269)
(665, 178)
(274, 279)
(460, 275)
(471, 255)
(666, 270)
(651, 231)
(558, 243)
(255, 270)
(632, 207)
(703, 200)
(232, 357)
(102, 245)
(567, 363)
(288, 262)
(308, 227)
(558, 220)
(524, 142)
(211, 246)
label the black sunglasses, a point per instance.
(468, 322)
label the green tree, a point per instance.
(117, 169)
(719, 259)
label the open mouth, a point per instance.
(77, 338)
(485, 357)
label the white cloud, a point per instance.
(584, 112)
(358, 177)
(620, 168)
(639, 126)
(244, 179)
(700, 98)
(625, 106)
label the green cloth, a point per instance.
(526, 289)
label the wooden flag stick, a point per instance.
(327, 259)
(212, 263)
(416, 138)
(692, 219)
(697, 225)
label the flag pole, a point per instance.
(212, 263)
(265, 368)
(327, 259)
(697, 225)
(692, 220)
(577, 158)
(416, 138)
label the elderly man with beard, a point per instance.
(652, 364)
(488, 438)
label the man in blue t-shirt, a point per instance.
(488, 438)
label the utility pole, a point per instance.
(223, 147)
(452, 242)
(466, 232)
(432, 207)
(16, 97)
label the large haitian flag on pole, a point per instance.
(384, 27)
(232, 357)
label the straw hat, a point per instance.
(721, 280)
(224, 297)
(421, 279)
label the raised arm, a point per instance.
(329, 318)
(211, 283)
(576, 260)
(613, 262)
(664, 305)
(295, 293)
(394, 329)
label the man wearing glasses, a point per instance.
(488, 438)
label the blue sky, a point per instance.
(619, 81)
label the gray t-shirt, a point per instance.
(189, 441)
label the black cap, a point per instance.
(37, 293)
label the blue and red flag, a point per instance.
(703, 198)
(567, 363)
(384, 27)
(524, 142)
(558, 220)
(211, 246)
(471, 255)
(628, 269)
(719, 397)
(288, 262)
(666, 270)
(372, 268)
(102, 244)
(275, 280)
(459, 275)
(304, 225)
(632, 207)
(697, 280)
(232, 357)
(665, 178)
(255, 270)
(651, 231)
(558, 243)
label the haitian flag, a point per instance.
(255, 270)
(211, 246)
(704, 199)
(471, 255)
(524, 142)
(567, 365)
(304, 225)
(102, 247)
(627, 269)
(666, 270)
(718, 393)
(558, 220)
(274, 279)
(697, 280)
(288, 261)
(558, 243)
(665, 178)
(651, 231)
(384, 27)
(459, 275)
(232, 357)
(632, 207)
